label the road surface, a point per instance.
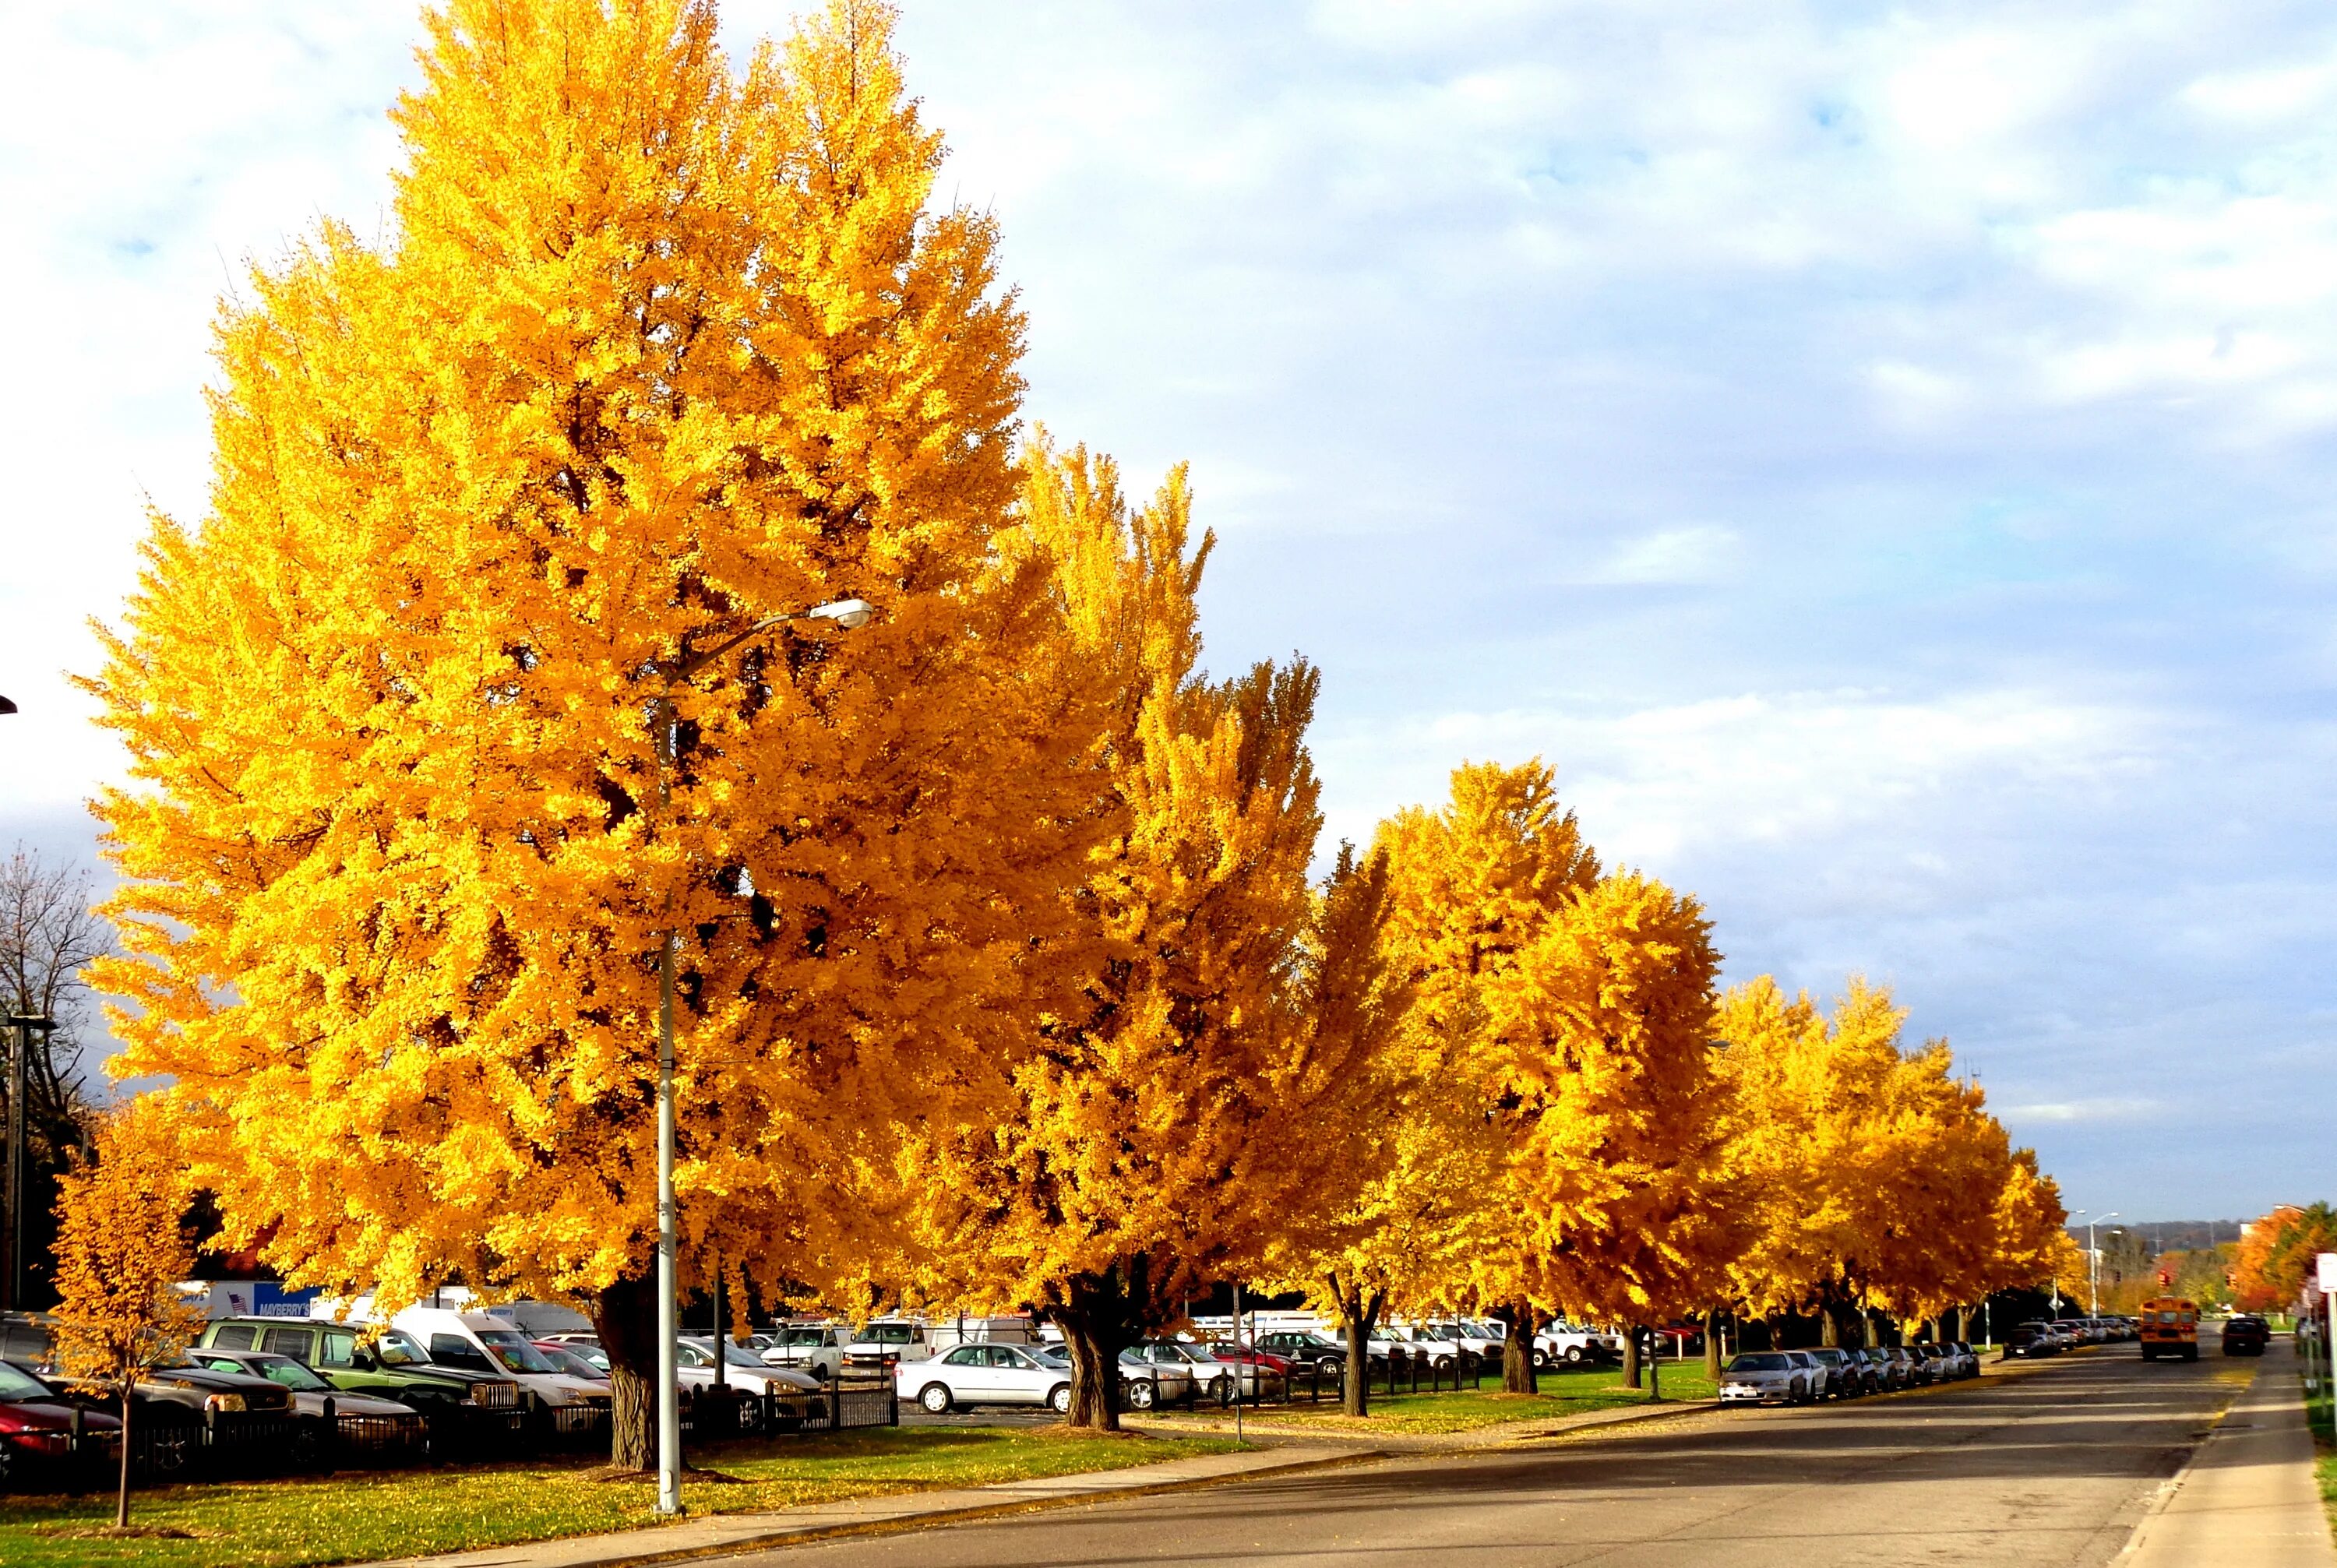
(2055, 1468)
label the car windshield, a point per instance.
(804, 1337)
(1759, 1363)
(285, 1370)
(16, 1384)
(399, 1348)
(510, 1347)
(565, 1358)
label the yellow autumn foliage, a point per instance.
(1575, 1008)
(655, 349)
(1876, 1178)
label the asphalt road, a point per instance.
(2050, 1469)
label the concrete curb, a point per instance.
(727, 1534)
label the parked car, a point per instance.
(742, 1369)
(818, 1348)
(984, 1374)
(2246, 1335)
(1873, 1372)
(2031, 1341)
(1306, 1348)
(1846, 1374)
(1250, 1356)
(1965, 1359)
(886, 1340)
(43, 1434)
(310, 1394)
(1820, 1377)
(1147, 1383)
(1570, 1345)
(1216, 1380)
(1482, 1339)
(477, 1343)
(392, 1366)
(586, 1361)
(1764, 1377)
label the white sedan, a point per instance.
(984, 1374)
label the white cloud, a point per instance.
(1698, 553)
(2061, 1112)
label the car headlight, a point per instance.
(223, 1402)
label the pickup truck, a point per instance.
(1566, 1344)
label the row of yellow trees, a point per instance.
(1001, 979)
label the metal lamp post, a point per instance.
(2094, 1266)
(850, 614)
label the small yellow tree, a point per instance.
(122, 1245)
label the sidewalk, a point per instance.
(716, 1535)
(2247, 1499)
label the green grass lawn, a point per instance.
(355, 1516)
(1562, 1394)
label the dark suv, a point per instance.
(393, 1368)
(1305, 1349)
(2246, 1335)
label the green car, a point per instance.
(392, 1367)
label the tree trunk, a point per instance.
(122, 1497)
(1517, 1349)
(1631, 1356)
(1362, 1313)
(1951, 1324)
(1096, 1324)
(1712, 1344)
(1829, 1327)
(625, 1317)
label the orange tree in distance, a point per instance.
(2276, 1255)
(657, 349)
(1189, 1105)
(122, 1247)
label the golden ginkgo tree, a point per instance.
(1186, 1105)
(1872, 1177)
(1577, 1006)
(468, 687)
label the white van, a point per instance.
(478, 1342)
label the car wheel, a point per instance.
(1540, 1358)
(1224, 1388)
(935, 1398)
(1059, 1399)
(750, 1412)
(1143, 1394)
(1574, 1354)
(1332, 1367)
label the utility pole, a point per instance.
(20, 1046)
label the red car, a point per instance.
(1249, 1356)
(38, 1430)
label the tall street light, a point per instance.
(2094, 1267)
(850, 614)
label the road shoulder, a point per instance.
(721, 1535)
(2247, 1498)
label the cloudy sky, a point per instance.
(1879, 455)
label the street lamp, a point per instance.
(2094, 1267)
(850, 614)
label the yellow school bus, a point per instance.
(2170, 1326)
